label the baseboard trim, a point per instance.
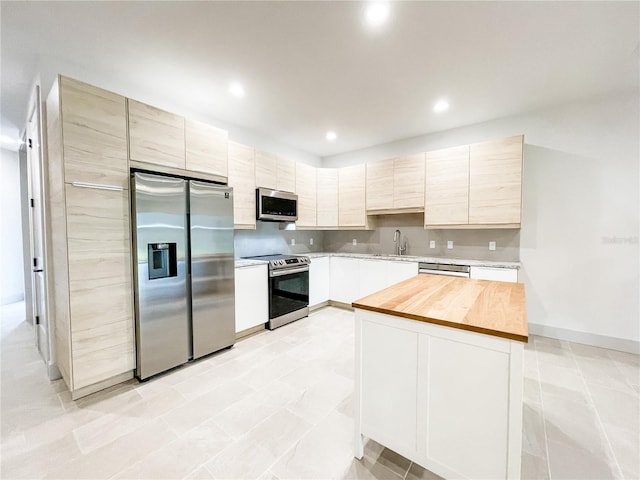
(96, 387)
(249, 331)
(603, 341)
(318, 306)
(346, 306)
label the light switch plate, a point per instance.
(449, 244)
(432, 244)
(354, 242)
(293, 241)
(311, 241)
(492, 245)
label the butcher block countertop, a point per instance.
(483, 306)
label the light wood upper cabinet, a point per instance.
(396, 185)
(328, 195)
(99, 261)
(156, 136)
(206, 148)
(306, 189)
(447, 187)
(266, 170)
(242, 177)
(351, 196)
(286, 175)
(380, 185)
(94, 125)
(275, 172)
(408, 182)
(495, 182)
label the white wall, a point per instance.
(122, 84)
(11, 268)
(580, 221)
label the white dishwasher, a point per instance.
(443, 269)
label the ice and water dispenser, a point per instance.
(162, 260)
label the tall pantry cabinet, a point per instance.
(90, 237)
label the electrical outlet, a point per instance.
(293, 241)
(432, 244)
(492, 245)
(354, 242)
(449, 244)
(311, 241)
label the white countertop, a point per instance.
(410, 258)
(242, 262)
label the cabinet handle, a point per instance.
(97, 186)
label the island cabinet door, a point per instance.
(463, 405)
(389, 386)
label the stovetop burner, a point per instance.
(283, 261)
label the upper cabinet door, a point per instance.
(328, 195)
(447, 187)
(408, 182)
(242, 177)
(206, 148)
(94, 125)
(286, 175)
(379, 191)
(306, 190)
(266, 170)
(351, 196)
(156, 136)
(495, 181)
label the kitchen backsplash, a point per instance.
(471, 243)
(269, 238)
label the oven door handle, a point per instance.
(288, 271)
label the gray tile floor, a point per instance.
(278, 406)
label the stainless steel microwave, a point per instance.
(276, 206)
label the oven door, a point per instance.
(288, 291)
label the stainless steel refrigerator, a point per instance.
(184, 270)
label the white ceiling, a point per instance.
(309, 67)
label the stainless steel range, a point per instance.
(288, 288)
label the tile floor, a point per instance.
(278, 406)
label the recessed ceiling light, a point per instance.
(440, 106)
(236, 89)
(377, 13)
(331, 135)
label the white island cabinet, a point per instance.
(438, 375)
(252, 296)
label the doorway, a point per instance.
(37, 301)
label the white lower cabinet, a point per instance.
(494, 273)
(447, 399)
(319, 280)
(252, 296)
(354, 278)
(344, 279)
(376, 275)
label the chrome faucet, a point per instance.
(401, 247)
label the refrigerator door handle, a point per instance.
(97, 186)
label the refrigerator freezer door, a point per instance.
(160, 237)
(212, 267)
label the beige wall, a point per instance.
(580, 221)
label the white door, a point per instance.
(36, 230)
